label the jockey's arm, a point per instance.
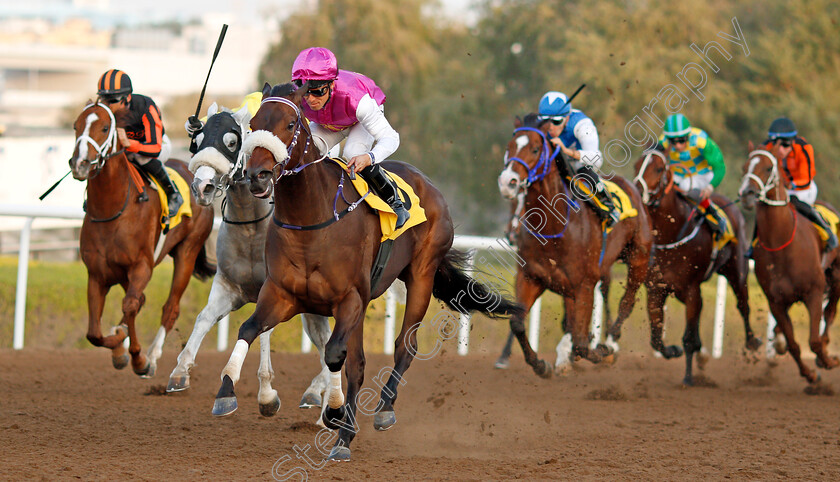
(712, 154)
(153, 135)
(372, 118)
(589, 152)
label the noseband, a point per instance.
(267, 139)
(648, 193)
(102, 151)
(541, 168)
(772, 181)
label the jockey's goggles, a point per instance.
(319, 92)
(679, 140)
(559, 120)
(107, 99)
(784, 141)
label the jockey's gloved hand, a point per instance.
(193, 126)
(695, 194)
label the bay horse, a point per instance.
(787, 259)
(512, 232)
(240, 255)
(119, 234)
(568, 252)
(317, 264)
(684, 257)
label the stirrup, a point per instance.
(831, 243)
(175, 202)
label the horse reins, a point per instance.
(772, 183)
(299, 126)
(538, 173)
(646, 191)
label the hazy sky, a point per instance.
(143, 11)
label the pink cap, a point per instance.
(315, 63)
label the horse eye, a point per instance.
(230, 141)
(536, 150)
(106, 128)
(291, 126)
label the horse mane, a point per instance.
(532, 119)
(283, 90)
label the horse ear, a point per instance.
(751, 146)
(212, 109)
(517, 122)
(242, 116)
(266, 90)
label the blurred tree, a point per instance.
(453, 92)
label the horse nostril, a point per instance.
(512, 183)
(208, 189)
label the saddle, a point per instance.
(140, 179)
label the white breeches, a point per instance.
(697, 181)
(807, 195)
(165, 153)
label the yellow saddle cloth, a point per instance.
(728, 229)
(185, 210)
(387, 217)
(830, 217)
(620, 199)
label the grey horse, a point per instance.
(240, 252)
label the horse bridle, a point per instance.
(110, 143)
(772, 180)
(541, 168)
(651, 196)
(300, 125)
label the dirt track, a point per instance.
(68, 415)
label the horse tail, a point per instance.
(465, 294)
(203, 268)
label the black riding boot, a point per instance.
(714, 221)
(811, 213)
(384, 187)
(611, 215)
(155, 168)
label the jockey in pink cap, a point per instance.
(347, 105)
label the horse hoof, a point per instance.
(178, 384)
(225, 406)
(310, 400)
(543, 369)
(150, 371)
(147, 371)
(780, 345)
(120, 361)
(384, 420)
(502, 363)
(688, 382)
(754, 343)
(340, 453)
(269, 409)
(672, 351)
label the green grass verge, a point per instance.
(56, 314)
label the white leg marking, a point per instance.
(156, 348)
(336, 395)
(266, 393)
(611, 343)
(564, 352)
(234, 365)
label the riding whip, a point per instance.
(42, 196)
(194, 119)
(569, 100)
